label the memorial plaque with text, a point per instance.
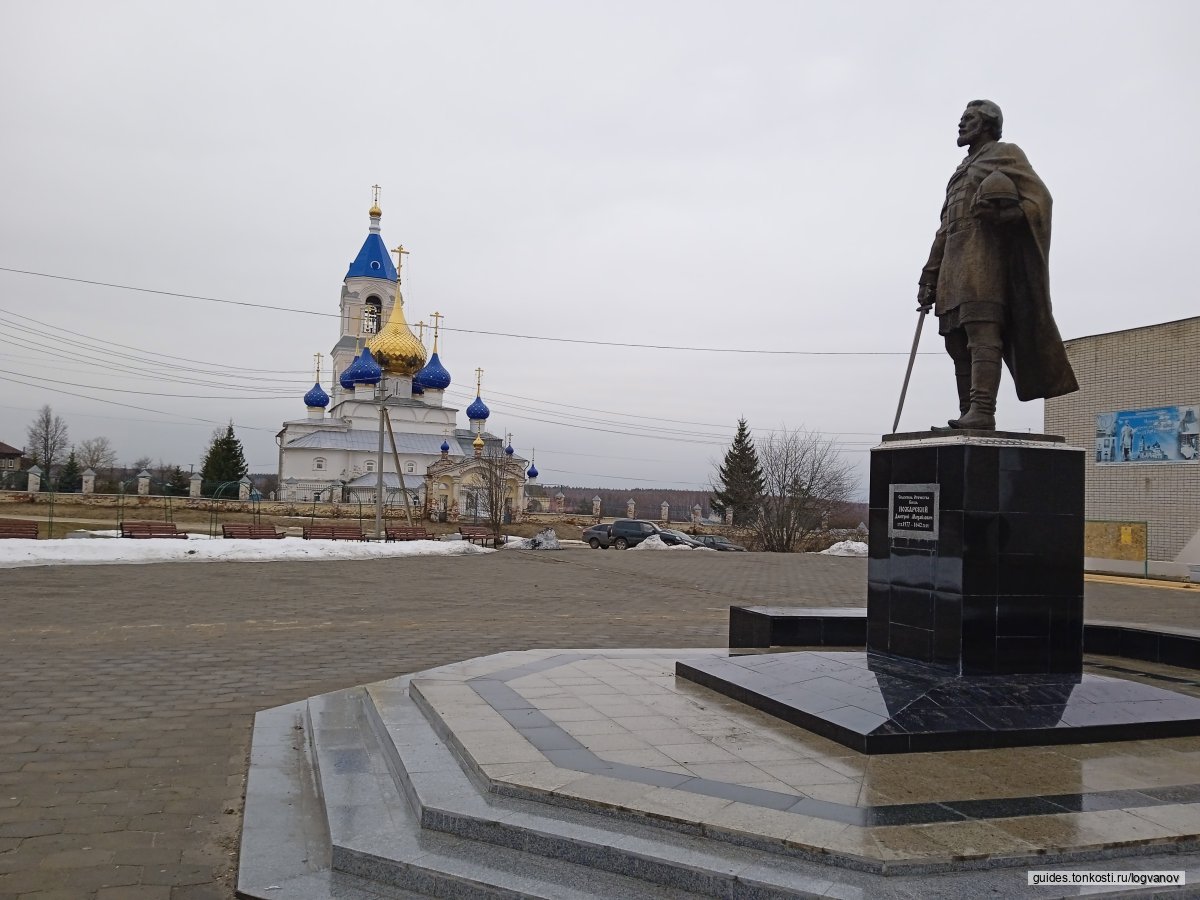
(913, 511)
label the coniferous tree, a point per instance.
(223, 462)
(740, 479)
(178, 482)
(70, 476)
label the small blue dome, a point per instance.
(434, 376)
(316, 396)
(478, 410)
(445, 446)
(364, 370)
(416, 387)
(347, 377)
(508, 451)
(532, 473)
(369, 371)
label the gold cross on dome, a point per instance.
(437, 317)
(478, 380)
(375, 189)
(317, 359)
(400, 254)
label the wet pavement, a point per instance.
(129, 691)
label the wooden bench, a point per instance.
(146, 530)
(406, 533)
(18, 528)
(246, 532)
(334, 533)
(479, 534)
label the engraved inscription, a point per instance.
(913, 511)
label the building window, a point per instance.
(410, 467)
(370, 316)
(370, 465)
(319, 464)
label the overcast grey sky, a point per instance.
(757, 176)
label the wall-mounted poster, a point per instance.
(1162, 434)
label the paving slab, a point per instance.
(131, 690)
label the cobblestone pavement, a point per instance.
(129, 691)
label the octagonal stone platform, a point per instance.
(584, 773)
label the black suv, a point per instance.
(625, 533)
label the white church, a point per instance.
(333, 453)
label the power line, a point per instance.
(503, 334)
(45, 387)
(171, 359)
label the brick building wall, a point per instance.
(1158, 365)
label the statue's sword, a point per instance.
(912, 357)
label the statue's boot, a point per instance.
(962, 380)
(985, 384)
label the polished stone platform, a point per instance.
(588, 773)
(878, 704)
(763, 627)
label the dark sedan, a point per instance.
(673, 538)
(718, 542)
(597, 536)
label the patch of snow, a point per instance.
(21, 552)
(846, 548)
(654, 542)
(545, 539)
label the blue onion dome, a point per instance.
(369, 371)
(445, 446)
(478, 410)
(316, 396)
(434, 376)
(532, 473)
(508, 451)
(347, 377)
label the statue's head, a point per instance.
(981, 118)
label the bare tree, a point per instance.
(96, 453)
(492, 483)
(47, 436)
(805, 480)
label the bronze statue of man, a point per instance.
(988, 279)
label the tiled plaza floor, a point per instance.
(129, 691)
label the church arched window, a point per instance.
(319, 464)
(370, 465)
(370, 315)
(410, 467)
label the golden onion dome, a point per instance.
(395, 347)
(374, 212)
(478, 442)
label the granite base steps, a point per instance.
(356, 794)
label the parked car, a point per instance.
(626, 533)
(718, 542)
(597, 537)
(673, 538)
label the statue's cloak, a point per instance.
(1033, 348)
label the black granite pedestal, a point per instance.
(974, 614)
(976, 553)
